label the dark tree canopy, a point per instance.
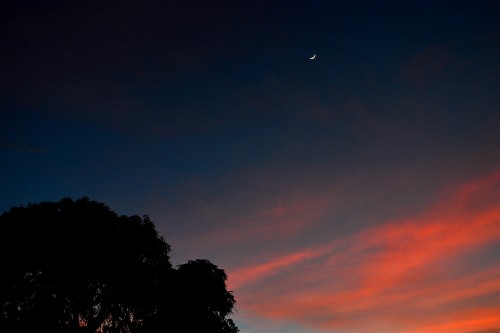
(77, 266)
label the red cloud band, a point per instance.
(436, 272)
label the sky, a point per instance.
(355, 192)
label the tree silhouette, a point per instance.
(77, 266)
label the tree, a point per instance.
(77, 266)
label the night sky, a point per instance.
(356, 192)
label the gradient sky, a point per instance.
(358, 192)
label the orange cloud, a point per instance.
(435, 272)
(480, 319)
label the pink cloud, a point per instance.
(279, 218)
(419, 274)
(425, 64)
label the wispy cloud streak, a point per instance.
(438, 271)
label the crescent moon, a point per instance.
(313, 57)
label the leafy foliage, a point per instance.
(77, 266)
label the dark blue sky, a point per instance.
(210, 118)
